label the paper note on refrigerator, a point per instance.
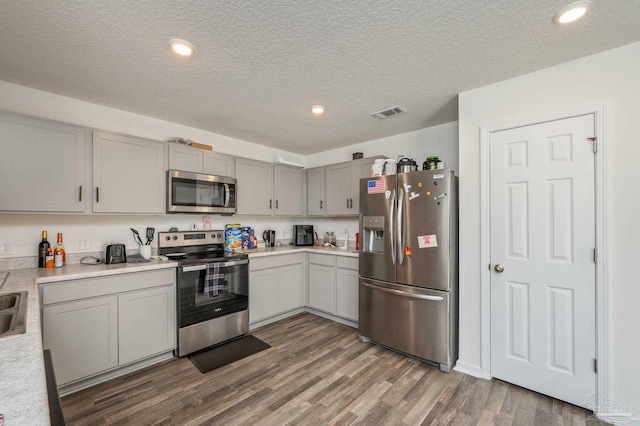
(427, 241)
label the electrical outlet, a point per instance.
(85, 243)
(6, 247)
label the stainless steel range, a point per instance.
(212, 286)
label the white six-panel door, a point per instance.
(543, 238)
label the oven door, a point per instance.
(198, 193)
(211, 290)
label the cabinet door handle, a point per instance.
(270, 205)
(276, 204)
(97, 194)
(351, 203)
(320, 204)
(347, 203)
(80, 194)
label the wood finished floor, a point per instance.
(316, 372)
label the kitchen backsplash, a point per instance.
(23, 231)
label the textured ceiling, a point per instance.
(260, 65)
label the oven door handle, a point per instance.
(203, 266)
(194, 268)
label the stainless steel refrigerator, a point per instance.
(409, 264)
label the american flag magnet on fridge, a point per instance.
(376, 187)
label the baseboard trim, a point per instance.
(74, 387)
(331, 317)
(471, 370)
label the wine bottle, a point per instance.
(59, 257)
(42, 250)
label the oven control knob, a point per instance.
(167, 238)
(219, 235)
(213, 235)
(175, 237)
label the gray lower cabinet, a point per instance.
(82, 337)
(322, 283)
(333, 285)
(276, 285)
(347, 288)
(146, 323)
(41, 165)
(97, 325)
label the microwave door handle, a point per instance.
(227, 194)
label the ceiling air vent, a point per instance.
(388, 112)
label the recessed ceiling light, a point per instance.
(181, 47)
(317, 109)
(572, 12)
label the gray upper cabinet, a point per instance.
(41, 165)
(343, 186)
(316, 199)
(185, 158)
(188, 159)
(255, 187)
(287, 191)
(218, 164)
(265, 189)
(338, 189)
(128, 174)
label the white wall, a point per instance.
(611, 77)
(439, 140)
(37, 103)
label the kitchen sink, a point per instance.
(13, 313)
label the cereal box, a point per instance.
(233, 236)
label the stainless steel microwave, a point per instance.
(197, 193)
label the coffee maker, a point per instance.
(269, 237)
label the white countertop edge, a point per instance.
(274, 251)
(80, 271)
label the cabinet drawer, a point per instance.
(92, 287)
(274, 261)
(347, 262)
(322, 259)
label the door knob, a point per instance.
(498, 268)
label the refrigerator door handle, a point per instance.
(404, 293)
(391, 230)
(399, 240)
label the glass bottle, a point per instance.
(59, 256)
(42, 250)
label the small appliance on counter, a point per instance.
(269, 237)
(303, 235)
(116, 253)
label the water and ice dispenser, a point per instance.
(373, 230)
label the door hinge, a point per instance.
(595, 255)
(595, 365)
(594, 141)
